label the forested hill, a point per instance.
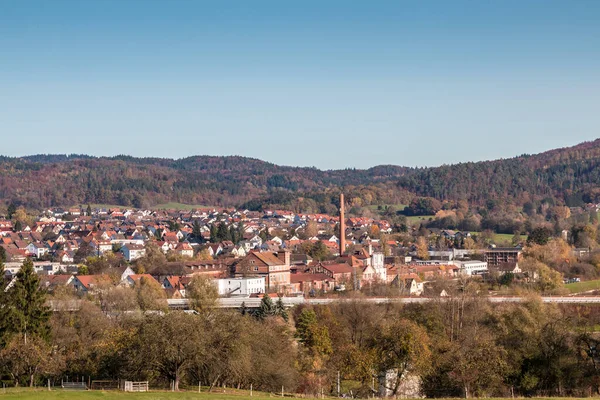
(569, 175)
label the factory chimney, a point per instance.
(342, 226)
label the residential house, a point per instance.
(184, 249)
(89, 283)
(132, 252)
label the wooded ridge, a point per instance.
(569, 176)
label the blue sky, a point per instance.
(331, 84)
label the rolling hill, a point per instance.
(568, 176)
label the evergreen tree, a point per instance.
(240, 232)
(2, 257)
(280, 309)
(213, 234)
(89, 210)
(24, 306)
(197, 231)
(10, 211)
(223, 232)
(267, 308)
(243, 308)
(263, 235)
(233, 234)
(18, 226)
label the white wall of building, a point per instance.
(241, 286)
(473, 267)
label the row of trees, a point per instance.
(460, 346)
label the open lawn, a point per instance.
(30, 394)
(179, 206)
(397, 207)
(417, 219)
(502, 238)
(585, 286)
(27, 394)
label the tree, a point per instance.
(312, 335)
(84, 251)
(10, 211)
(310, 230)
(422, 248)
(478, 364)
(545, 279)
(202, 293)
(25, 311)
(2, 255)
(214, 234)
(223, 232)
(539, 236)
(204, 254)
(153, 260)
(168, 345)
(20, 215)
(266, 309)
(88, 211)
(319, 251)
(401, 347)
(197, 231)
(26, 358)
(281, 311)
(150, 295)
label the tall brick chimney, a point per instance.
(342, 226)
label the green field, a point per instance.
(31, 394)
(179, 206)
(397, 207)
(586, 286)
(416, 219)
(499, 238)
(27, 394)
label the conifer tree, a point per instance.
(25, 311)
(280, 309)
(267, 308)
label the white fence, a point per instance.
(136, 386)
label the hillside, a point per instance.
(569, 175)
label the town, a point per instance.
(245, 253)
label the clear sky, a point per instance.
(331, 84)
